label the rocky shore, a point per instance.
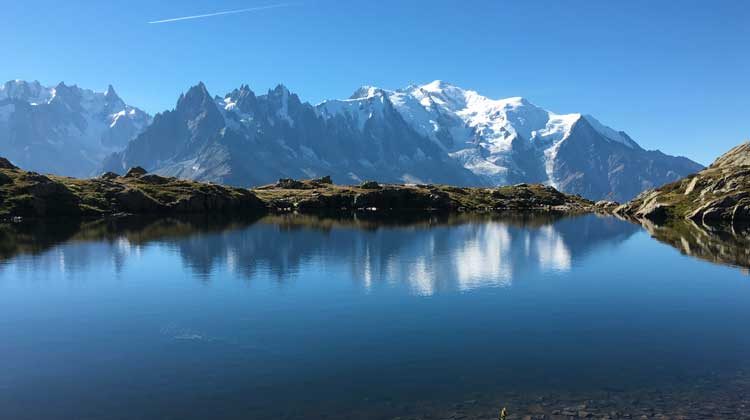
(716, 396)
(26, 194)
(718, 195)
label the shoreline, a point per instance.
(29, 195)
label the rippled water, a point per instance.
(301, 317)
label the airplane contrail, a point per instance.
(228, 12)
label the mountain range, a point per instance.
(64, 129)
(432, 133)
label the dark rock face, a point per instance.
(402, 198)
(291, 184)
(590, 167)
(132, 200)
(370, 185)
(5, 164)
(135, 172)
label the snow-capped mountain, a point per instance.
(244, 139)
(430, 133)
(64, 129)
(511, 140)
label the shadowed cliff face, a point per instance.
(587, 166)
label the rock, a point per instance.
(370, 185)
(606, 205)
(324, 180)
(290, 184)
(109, 176)
(135, 172)
(5, 164)
(654, 211)
(133, 200)
(403, 199)
(153, 179)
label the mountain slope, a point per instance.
(435, 133)
(512, 140)
(244, 139)
(64, 129)
(716, 195)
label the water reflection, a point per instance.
(729, 245)
(428, 254)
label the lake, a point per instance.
(300, 317)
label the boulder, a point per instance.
(653, 211)
(5, 164)
(133, 200)
(108, 176)
(153, 179)
(606, 205)
(135, 172)
(290, 184)
(370, 185)
(324, 180)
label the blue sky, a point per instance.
(674, 75)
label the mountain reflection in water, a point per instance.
(430, 253)
(728, 245)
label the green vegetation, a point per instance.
(28, 194)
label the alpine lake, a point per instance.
(366, 317)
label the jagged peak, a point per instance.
(197, 92)
(280, 89)
(110, 92)
(438, 85)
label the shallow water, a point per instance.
(300, 317)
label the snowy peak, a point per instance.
(64, 129)
(434, 132)
(31, 92)
(366, 92)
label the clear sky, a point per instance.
(675, 75)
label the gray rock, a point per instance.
(135, 172)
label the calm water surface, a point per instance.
(297, 317)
